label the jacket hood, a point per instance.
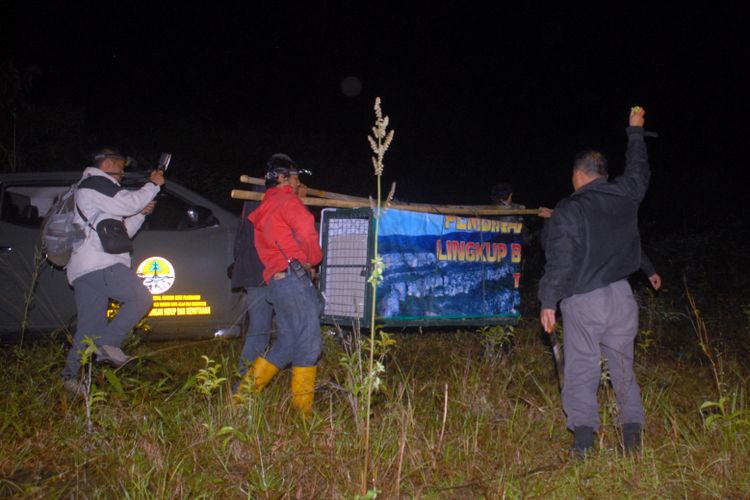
(270, 202)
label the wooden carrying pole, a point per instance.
(313, 192)
(241, 194)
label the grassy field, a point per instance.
(453, 420)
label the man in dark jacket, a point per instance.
(592, 244)
(247, 273)
(647, 267)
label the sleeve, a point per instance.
(244, 228)
(560, 243)
(126, 203)
(134, 223)
(302, 223)
(94, 197)
(634, 180)
(647, 266)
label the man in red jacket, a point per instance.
(287, 244)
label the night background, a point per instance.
(476, 95)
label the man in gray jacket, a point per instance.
(592, 244)
(97, 276)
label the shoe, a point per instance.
(583, 442)
(303, 388)
(111, 355)
(75, 387)
(262, 372)
(631, 437)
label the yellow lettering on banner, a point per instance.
(471, 255)
(502, 251)
(483, 225)
(464, 251)
(459, 251)
(511, 227)
(491, 252)
(439, 250)
(515, 252)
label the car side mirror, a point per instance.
(197, 217)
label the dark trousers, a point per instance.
(92, 293)
(296, 305)
(260, 313)
(603, 322)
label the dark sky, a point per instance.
(475, 95)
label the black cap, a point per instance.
(110, 154)
(280, 164)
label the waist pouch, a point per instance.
(114, 236)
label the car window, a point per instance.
(170, 213)
(26, 205)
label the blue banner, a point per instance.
(448, 267)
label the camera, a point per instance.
(164, 160)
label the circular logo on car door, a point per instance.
(157, 274)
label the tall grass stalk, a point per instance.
(704, 340)
(380, 141)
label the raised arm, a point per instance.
(634, 180)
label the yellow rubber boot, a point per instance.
(263, 371)
(303, 388)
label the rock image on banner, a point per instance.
(447, 266)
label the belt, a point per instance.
(279, 276)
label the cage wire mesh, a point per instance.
(346, 252)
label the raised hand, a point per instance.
(157, 177)
(637, 114)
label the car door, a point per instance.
(34, 295)
(182, 253)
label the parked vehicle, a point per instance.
(182, 253)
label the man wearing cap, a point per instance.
(287, 244)
(97, 276)
(592, 244)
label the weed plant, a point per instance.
(448, 423)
